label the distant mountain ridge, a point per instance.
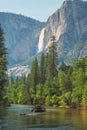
(21, 36)
(25, 37)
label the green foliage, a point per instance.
(3, 66)
(48, 100)
(84, 95)
(34, 75)
(77, 95)
(42, 75)
(52, 58)
(17, 92)
(46, 84)
(62, 102)
(65, 99)
(54, 100)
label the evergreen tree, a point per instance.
(34, 76)
(3, 65)
(51, 63)
(42, 69)
(52, 58)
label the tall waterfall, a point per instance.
(41, 40)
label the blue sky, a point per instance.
(38, 9)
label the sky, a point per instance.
(37, 9)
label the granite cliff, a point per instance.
(25, 37)
(69, 25)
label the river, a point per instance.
(13, 118)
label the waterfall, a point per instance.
(41, 40)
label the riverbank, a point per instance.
(48, 107)
(58, 128)
(65, 107)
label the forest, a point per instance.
(49, 82)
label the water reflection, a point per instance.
(57, 119)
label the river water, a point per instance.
(13, 118)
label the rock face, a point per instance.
(18, 71)
(21, 36)
(69, 25)
(25, 37)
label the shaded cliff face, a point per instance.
(69, 25)
(21, 36)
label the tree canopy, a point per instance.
(3, 65)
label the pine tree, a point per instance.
(42, 69)
(3, 65)
(52, 58)
(51, 61)
(34, 75)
